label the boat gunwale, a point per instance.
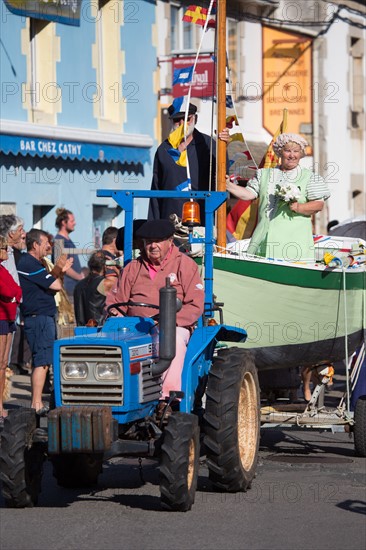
(315, 276)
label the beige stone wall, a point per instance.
(41, 96)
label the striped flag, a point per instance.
(183, 76)
(242, 219)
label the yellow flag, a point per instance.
(236, 137)
(270, 159)
(176, 136)
(182, 161)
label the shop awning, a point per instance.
(59, 142)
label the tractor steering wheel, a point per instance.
(118, 306)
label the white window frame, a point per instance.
(181, 25)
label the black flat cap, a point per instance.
(173, 113)
(156, 229)
(121, 233)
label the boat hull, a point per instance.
(306, 354)
(294, 315)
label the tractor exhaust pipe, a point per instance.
(167, 328)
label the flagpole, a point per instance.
(221, 119)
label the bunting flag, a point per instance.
(270, 159)
(236, 137)
(175, 138)
(183, 76)
(229, 101)
(231, 121)
(179, 157)
(175, 154)
(212, 22)
(185, 186)
(196, 15)
(182, 161)
(242, 154)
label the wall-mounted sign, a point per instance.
(287, 80)
(60, 11)
(72, 150)
(203, 78)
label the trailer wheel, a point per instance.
(77, 469)
(179, 462)
(232, 420)
(359, 428)
(21, 461)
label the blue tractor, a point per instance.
(107, 384)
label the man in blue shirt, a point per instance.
(39, 310)
(65, 223)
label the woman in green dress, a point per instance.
(284, 229)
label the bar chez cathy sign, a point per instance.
(57, 148)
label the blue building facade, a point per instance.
(78, 106)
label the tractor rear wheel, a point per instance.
(232, 420)
(77, 469)
(179, 462)
(359, 429)
(21, 461)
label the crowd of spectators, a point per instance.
(42, 288)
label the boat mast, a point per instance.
(221, 119)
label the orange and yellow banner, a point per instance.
(270, 159)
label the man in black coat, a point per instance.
(168, 175)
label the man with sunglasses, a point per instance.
(170, 170)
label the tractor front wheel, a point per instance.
(21, 460)
(179, 462)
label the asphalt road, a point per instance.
(309, 493)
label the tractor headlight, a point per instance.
(75, 370)
(107, 371)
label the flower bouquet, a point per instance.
(288, 193)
